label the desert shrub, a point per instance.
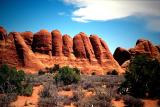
(99, 100)
(130, 101)
(54, 69)
(48, 96)
(13, 81)
(67, 101)
(41, 72)
(5, 99)
(142, 77)
(114, 72)
(27, 90)
(68, 75)
(87, 85)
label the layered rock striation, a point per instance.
(36, 51)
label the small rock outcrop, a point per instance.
(142, 47)
(121, 55)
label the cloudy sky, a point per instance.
(118, 22)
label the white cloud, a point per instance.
(104, 10)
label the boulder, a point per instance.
(57, 43)
(42, 42)
(121, 55)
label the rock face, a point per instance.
(78, 47)
(42, 42)
(56, 43)
(142, 47)
(67, 45)
(121, 55)
(145, 47)
(158, 47)
(28, 38)
(3, 33)
(25, 54)
(32, 52)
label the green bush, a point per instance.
(27, 90)
(142, 78)
(68, 75)
(12, 80)
(54, 69)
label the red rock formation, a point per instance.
(42, 42)
(78, 47)
(96, 44)
(3, 33)
(8, 52)
(144, 47)
(92, 54)
(121, 55)
(28, 38)
(56, 43)
(158, 47)
(25, 54)
(88, 46)
(67, 45)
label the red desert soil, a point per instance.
(118, 103)
(28, 101)
(65, 93)
(150, 103)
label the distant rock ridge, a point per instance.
(32, 52)
(142, 46)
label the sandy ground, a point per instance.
(28, 101)
(65, 93)
(118, 103)
(150, 103)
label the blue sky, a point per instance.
(119, 23)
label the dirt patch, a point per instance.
(31, 101)
(119, 103)
(150, 103)
(65, 93)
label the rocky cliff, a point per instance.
(142, 47)
(33, 51)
